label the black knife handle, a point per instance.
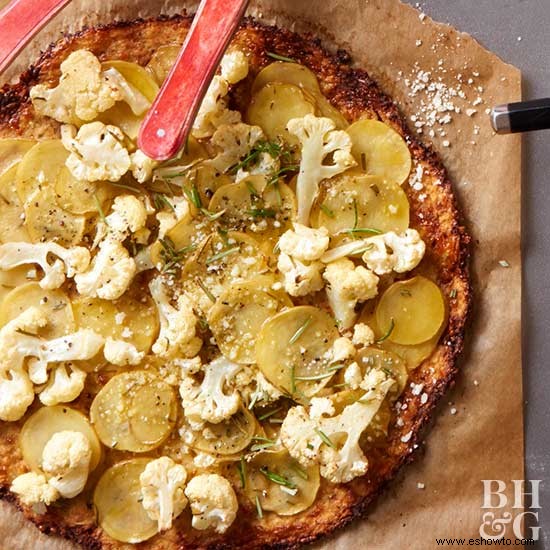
(525, 116)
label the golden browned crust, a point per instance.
(436, 218)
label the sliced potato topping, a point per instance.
(12, 151)
(380, 150)
(228, 437)
(135, 411)
(44, 423)
(54, 302)
(354, 205)
(293, 350)
(162, 61)
(279, 483)
(117, 499)
(411, 312)
(12, 215)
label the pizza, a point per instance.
(238, 347)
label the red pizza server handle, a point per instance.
(20, 20)
(171, 116)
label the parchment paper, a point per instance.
(478, 432)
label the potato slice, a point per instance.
(117, 499)
(12, 215)
(220, 260)
(122, 415)
(44, 423)
(380, 150)
(40, 168)
(162, 61)
(352, 204)
(411, 312)
(178, 243)
(55, 302)
(18, 276)
(237, 318)
(12, 151)
(280, 484)
(292, 350)
(298, 75)
(274, 105)
(121, 115)
(80, 197)
(136, 75)
(127, 319)
(46, 221)
(228, 437)
(253, 205)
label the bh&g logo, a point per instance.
(493, 526)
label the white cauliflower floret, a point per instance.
(96, 151)
(393, 252)
(234, 66)
(214, 399)
(111, 272)
(68, 263)
(300, 278)
(353, 376)
(162, 484)
(347, 286)
(342, 350)
(321, 406)
(180, 211)
(128, 214)
(304, 243)
(32, 488)
(66, 461)
(63, 386)
(83, 92)
(333, 442)
(213, 502)
(319, 139)
(128, 93)
(363, 335)
(121, 353)
(255, 388)
(18, 342)
(142, 166)
(233, 142)
(177, 323)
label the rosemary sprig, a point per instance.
(388, 333)
(252, 190)
(123, 186)
(221, 255)
(259, 508)
(192, 193)
(300, 471)
(262, 212)
(270, 413)
(274, 178)
(279, 57)
(269, 147)
(242, 471)
(300, 331)
(212, 215)
(160, 201)
(327, 211)
(292, 379)
(361, 230)
(206, 290)
(325, 438)
(313, 378)
(262, 446)
(100, 210)
(171, 255)
(276, 478)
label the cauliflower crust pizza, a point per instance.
(236, 348)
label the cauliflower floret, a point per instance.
(342, 350)
(303, 243)
(68, 262)
(363, 335)
(177, 323)
(83, 92)
(266, 165)
(162, 484)
(213, 400)
(255, 388)
(63, 386)
(128, 93)
(121, 353)
(34, 489)
(96, 152)
(66, 460)
(321, 406)
(142, 166)
(405, 252)
(319, 139)
(347, 286)
(233, 142)
(111, 272)
(18, 341)
(353, 376)
(213, 502)
(128, 214)
(180, 211)
(333, 442)
(300, 278)
(234, 66)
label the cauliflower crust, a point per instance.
(436, 218)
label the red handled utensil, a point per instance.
(20, 20)
(171, 116)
